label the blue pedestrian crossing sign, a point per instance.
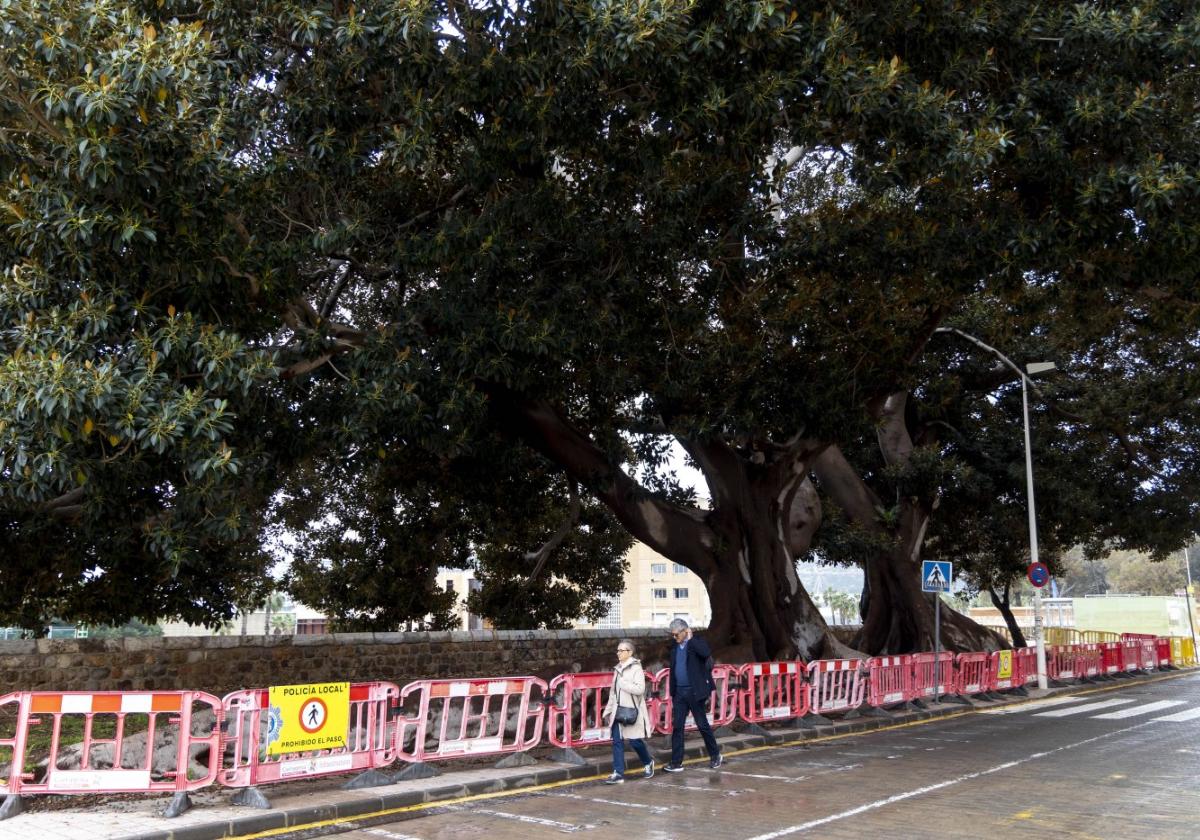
(936, 575)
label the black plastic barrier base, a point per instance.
(517, 759)
(11, 807)
(369, 779)
(416, 770)
(180, 803)
(251, 797)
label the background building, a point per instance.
(656, 591)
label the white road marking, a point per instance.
(561, 826)
(1029, 707)
(658, 809)
(900, 797)
(388, 835)
(706, 790)
(1139, 710)
(764, 776)
(1180, 717)
(1087, 707)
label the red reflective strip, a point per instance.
(360, 692)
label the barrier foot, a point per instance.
(11, 807)
(812, 720)
(369, 779)
(755, 729)
(960, 699)
(251, 797)
(566, 755)
(180, 803)
(517, 759)
(875, 711)
(416, 770)
(723, 732)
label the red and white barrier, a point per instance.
(1005, 670)
(890, 680)
(1111, 657)
(973, 672)
(576, 719)
(1131, 655)
(722, 704)
(933, 674)
(470, 717)
(836, 685)
(772, 691)
(132, 754)
(1089, 659)
(370, 742)
(1027, 660)
(1149, 654)
(1061, 662)
(1163, 647)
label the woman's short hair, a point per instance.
(629, 644)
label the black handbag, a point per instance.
(625, 715)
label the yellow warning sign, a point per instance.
(307, 717)
(1004, 665)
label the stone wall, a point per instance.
(220, 664)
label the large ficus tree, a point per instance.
(445, 278)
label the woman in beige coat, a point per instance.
(629, 689)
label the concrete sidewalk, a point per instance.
(302, 803)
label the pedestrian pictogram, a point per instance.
(936, 575)
(312, 715)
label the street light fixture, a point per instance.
(1031, 369)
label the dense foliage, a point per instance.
(435, 282)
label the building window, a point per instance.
(680, 570)
(311, 627)
(659, 593)
(449, 585)
(658, 568)
(681, 593)
(612, 618)
(658, 619)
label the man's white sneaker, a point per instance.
(614, 779)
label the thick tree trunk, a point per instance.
(897, 616)
(763, 514)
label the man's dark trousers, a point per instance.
(680, 706)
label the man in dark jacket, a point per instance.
(691, 686)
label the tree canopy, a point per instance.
(437, 282)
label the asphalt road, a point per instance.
(1121, 763)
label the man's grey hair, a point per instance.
(678, 624)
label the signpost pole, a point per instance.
(937, 647)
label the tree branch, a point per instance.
(539, 557)
(674, 531)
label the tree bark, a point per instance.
(1002, 604)
(897, 615)
(743, 549)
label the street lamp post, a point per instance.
(1031, 369)
(1039, 634)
